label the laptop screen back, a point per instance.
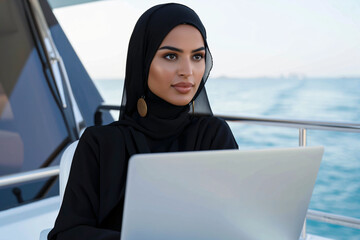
(227, 194)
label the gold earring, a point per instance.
(193, 107)
(142, 106)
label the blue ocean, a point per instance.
(337, 189)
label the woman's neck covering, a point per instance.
(150, 30)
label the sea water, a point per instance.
(337, 188)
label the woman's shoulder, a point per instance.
(217, 132)
(112, 130)
(211, 124)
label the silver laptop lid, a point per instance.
(227, 194)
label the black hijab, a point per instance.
(163, 119)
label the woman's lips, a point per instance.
(183, 87)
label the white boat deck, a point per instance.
(26, 222)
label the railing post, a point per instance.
(302, 143)
(302, 137)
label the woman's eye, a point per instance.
(170, 56)
(198, 57)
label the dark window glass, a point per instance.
(31, 124)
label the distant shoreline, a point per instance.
(257, 78)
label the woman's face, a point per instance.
(178, 65)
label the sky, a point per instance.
(247, 38)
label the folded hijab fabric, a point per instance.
(93, 202)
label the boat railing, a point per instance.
(302, 125)
(56, 63)
(29, 176)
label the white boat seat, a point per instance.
(44, 234)
(65, 165)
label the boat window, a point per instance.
(32, 127)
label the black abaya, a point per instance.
(93, 201)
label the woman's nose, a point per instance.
(185, 68)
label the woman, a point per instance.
(165, 109)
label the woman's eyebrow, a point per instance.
(179, 50)
(198, 49)
(171, 48)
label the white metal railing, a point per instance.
(29, 176)
(302, 125)
(333, 219)
(302, 143)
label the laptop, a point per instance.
(224, 194)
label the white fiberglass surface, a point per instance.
(26, 222)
